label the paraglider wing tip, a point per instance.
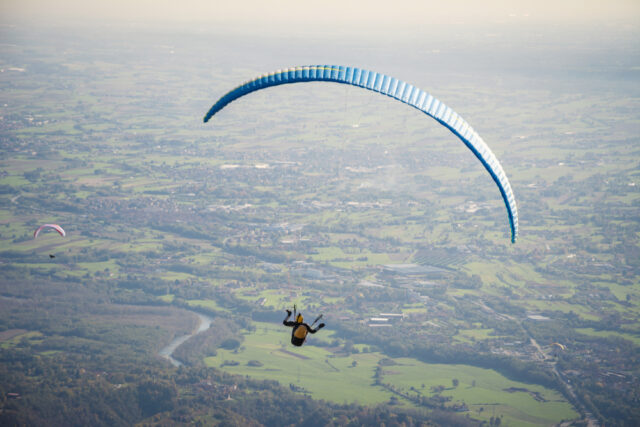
(212, 111)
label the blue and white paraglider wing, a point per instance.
(396, 89)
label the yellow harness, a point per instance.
(300, 332)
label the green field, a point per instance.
(32, 336)
(350, 378)
(485, 392)
(635, 339)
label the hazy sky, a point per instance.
(325, 15)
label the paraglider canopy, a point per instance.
(398, 90)
(54, 226)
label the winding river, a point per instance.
(167, 352)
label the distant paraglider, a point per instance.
(396, 89)
(54, 226)
(556, 349)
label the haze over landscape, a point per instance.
(185, 242)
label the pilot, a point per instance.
(300, 329)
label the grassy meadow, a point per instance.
(316, 371)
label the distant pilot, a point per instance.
(300, 329)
